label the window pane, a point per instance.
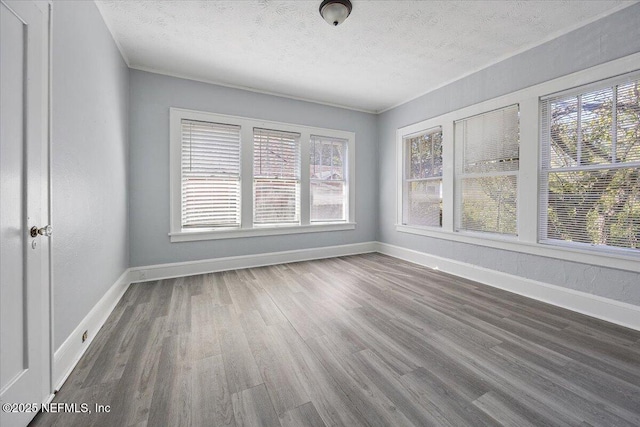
(489, 204)
(415, 168)
(424, 154)
(327, 201)
(596, 116)
(628, 123)
(436, 139)
(424, 203)
(337, 160)
(564, 132)
(486, 175)
(276, 177)
(327, 158)
(328, 186)
(595, 202)
(210, 202)
(600, 207)
(276, 201)
(422, 197)
(210, 172)
(491, 141)
(276, 154)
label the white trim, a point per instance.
(190, 268)
(49, 192)
(247, 228)
(305, 178)
(620, 313)
(191, 236)
(72, 349)
(526, 240)
(246, 88)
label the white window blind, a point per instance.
(487, 171)
(590, 178)
(276, 177)
(422, 189)
(210, 174)
(328, 183)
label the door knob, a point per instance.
(44, 231)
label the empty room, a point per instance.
(319, 213)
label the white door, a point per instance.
(24, 314)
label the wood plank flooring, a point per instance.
(364, 340)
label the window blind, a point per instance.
(590, 177)
(487, 171)
(422, 198)
(328, 179)
(210, 170)
(276, 177)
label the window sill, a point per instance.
(236, 233)
(620, 261)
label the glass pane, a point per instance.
(276, 201)
(327, 160)
(414, 162)
(337, 162)
(437, 154)
(326, 157)
(599, 207)
(424, 155)
(489, 204)
(596, 115)
(276, 154)
(424, 203)
(564, 133)
(315, 153)
(628, 123)
(328, 201)
(210, 202)
(491, 141)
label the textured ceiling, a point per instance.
(385, 53)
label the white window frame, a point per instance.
(247, 229)
(344, 180)
(296, 181)
(459, 166)
(406, 180)
(526, 240)
(546, 170)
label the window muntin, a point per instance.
(422, 176)
(328, 179)
(486, 173)
(590, 167)
(210, 175)
(276, 177)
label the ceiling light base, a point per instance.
(335, 11)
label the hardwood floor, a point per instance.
(364, 340)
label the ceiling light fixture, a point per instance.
(335, 11)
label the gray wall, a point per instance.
(89, 163)
(151, 97)
(610, 38)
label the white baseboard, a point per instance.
(190, 268)
(592, 305)
(69, 353)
